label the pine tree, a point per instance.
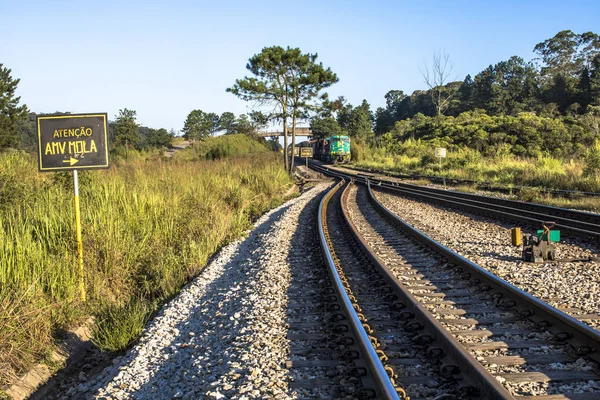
(126, 130)
(465, 94)
(584, 90)
(11, 114)
(595, 82)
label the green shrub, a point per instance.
(357, 151)
(526, 149)
(592, 161)
(219, 147)
(117, 326)
(427, 159)
(528, 194)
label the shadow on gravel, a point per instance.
(500, 256)
(305, 313)
(317, 346)
(189, 363)
(503, 223)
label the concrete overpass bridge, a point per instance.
(299, 132)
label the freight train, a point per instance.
(333, 149)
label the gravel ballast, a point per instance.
(224, 335)
(437, 277)
(573, 287)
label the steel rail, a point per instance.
(582, 337)
(384, 387)
(454, 352)
(576, 222)
(584, 340)
(532, 217)
(484, 185)
(521, 205)
(480, 200)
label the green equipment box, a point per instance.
(554, 235)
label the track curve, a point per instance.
(493, 338)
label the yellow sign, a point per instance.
(71, 161)
(73, 141)
(306, 152)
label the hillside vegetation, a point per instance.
(149, 226)
(214, 148)
(511, 150)
(516, 122)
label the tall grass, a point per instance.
(215, 148)
(416, 157)
(149, 225)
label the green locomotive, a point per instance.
(333, 149)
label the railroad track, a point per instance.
(578, 223)
(482, 185)
(327, 358)
(443, 326)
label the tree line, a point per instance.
(123, 130)
(563, 80)
(559, 89)
(549, 105)
(200, 125)
(525, 134)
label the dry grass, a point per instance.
(538, 173)
(149, 226)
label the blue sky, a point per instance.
(164, 59)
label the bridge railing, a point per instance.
(299, 132)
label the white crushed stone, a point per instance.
(526, 389)
(572, 286)
(224, 335)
